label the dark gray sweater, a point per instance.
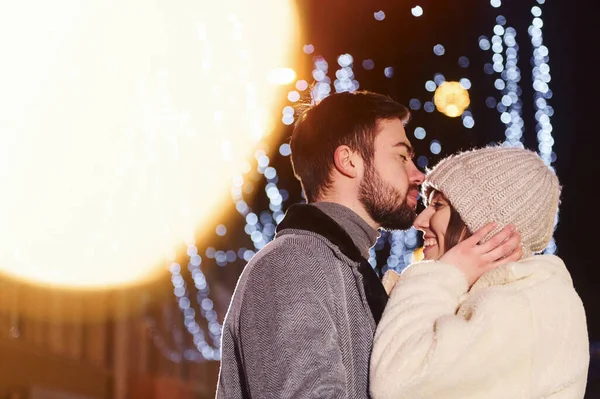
(303, 315)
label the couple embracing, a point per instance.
(484, 315)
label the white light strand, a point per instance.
(322, 87)
(542, 93)
(260, 229)
(510, 105)
(345, 76)
(207, 351)
(541, 77)
(511, 99)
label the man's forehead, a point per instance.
(391, 132)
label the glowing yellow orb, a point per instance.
(451, 99)
(122, 125)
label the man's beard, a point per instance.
(386, 205)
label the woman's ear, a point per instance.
(346, 161)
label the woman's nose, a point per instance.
(422, 221)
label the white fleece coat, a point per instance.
(520, 332)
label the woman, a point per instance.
(517, 331)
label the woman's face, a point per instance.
(433, 222)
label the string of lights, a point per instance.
(345, 75)
(510, 105)
(542, 93)
(260, 229)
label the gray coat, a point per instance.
(303, 315)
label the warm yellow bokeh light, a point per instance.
(418, 255)
(281, 76)
(451, 99)
(122, 125)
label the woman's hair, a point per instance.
(457, 230)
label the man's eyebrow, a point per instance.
(411, 151)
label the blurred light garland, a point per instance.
(260, 229)
(542, 93)
(345, 75)
(510, 106)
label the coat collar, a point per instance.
(310, 218)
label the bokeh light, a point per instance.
(439, 49)
(451, 99)
(368, 64)
(417, 11)
(414, 104)
(422, 161)
(133, 136)
(435, 147)
(420, 133)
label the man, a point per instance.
(303, 315)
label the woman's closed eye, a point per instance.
(437, 205)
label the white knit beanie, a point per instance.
(505, 185)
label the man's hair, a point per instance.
(340, 119)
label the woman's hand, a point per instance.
(475, 259)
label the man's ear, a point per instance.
(346, 161)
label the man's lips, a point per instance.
(414, 195)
